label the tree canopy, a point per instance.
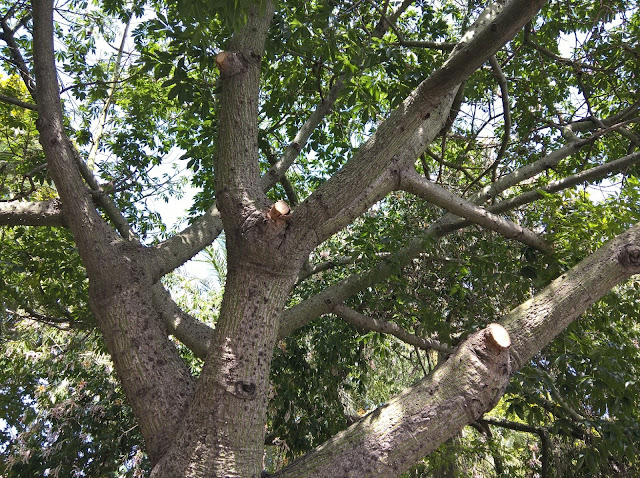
(420, 220)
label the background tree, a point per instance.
(324, 139)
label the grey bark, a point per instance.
(155, 379)
(42, 213)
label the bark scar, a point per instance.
(629, 257)
(246, 390)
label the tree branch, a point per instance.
(193, 333)
(577, 65)
(40, 213)
(376, 325)
(433, 45)
(8, 36)
(323, 302)
(102, 118)
(592, 174)
(372, 172)
(506, 109)
(414, 183)
(389, 440)
(588, 124)
(14, 101)
(542, 432)
(539, 320)
(291, 152)
(423, 417)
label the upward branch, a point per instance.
(375, 169)
(88, 228)
(237, 171)
(155, 380)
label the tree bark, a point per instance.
(223, 431)
(156, 381)
(394, 437)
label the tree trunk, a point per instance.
(228, 439)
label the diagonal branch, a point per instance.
(291, 152)
(372, 172)
(175, 251)
(539, 320)
(420, 419)
(8, 36)
(592, 174)
(15, 101)
(376, 325)
(277, 170)
(102, 118)
(577, 65)
(323, 302)
(414, 183)
(392, 438)
(193, 333)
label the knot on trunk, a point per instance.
(629, 257)
(230, 63)
(247, 390)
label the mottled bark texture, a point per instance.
(395, 436)
(156, 381)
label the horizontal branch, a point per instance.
(519, 427)
(414, 183)
(41, 213)
(592, 174)
(434, 45)
(376, 325)
(15, 101)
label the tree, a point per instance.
(389, 104)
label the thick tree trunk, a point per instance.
(223, 431)
(151, 371)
